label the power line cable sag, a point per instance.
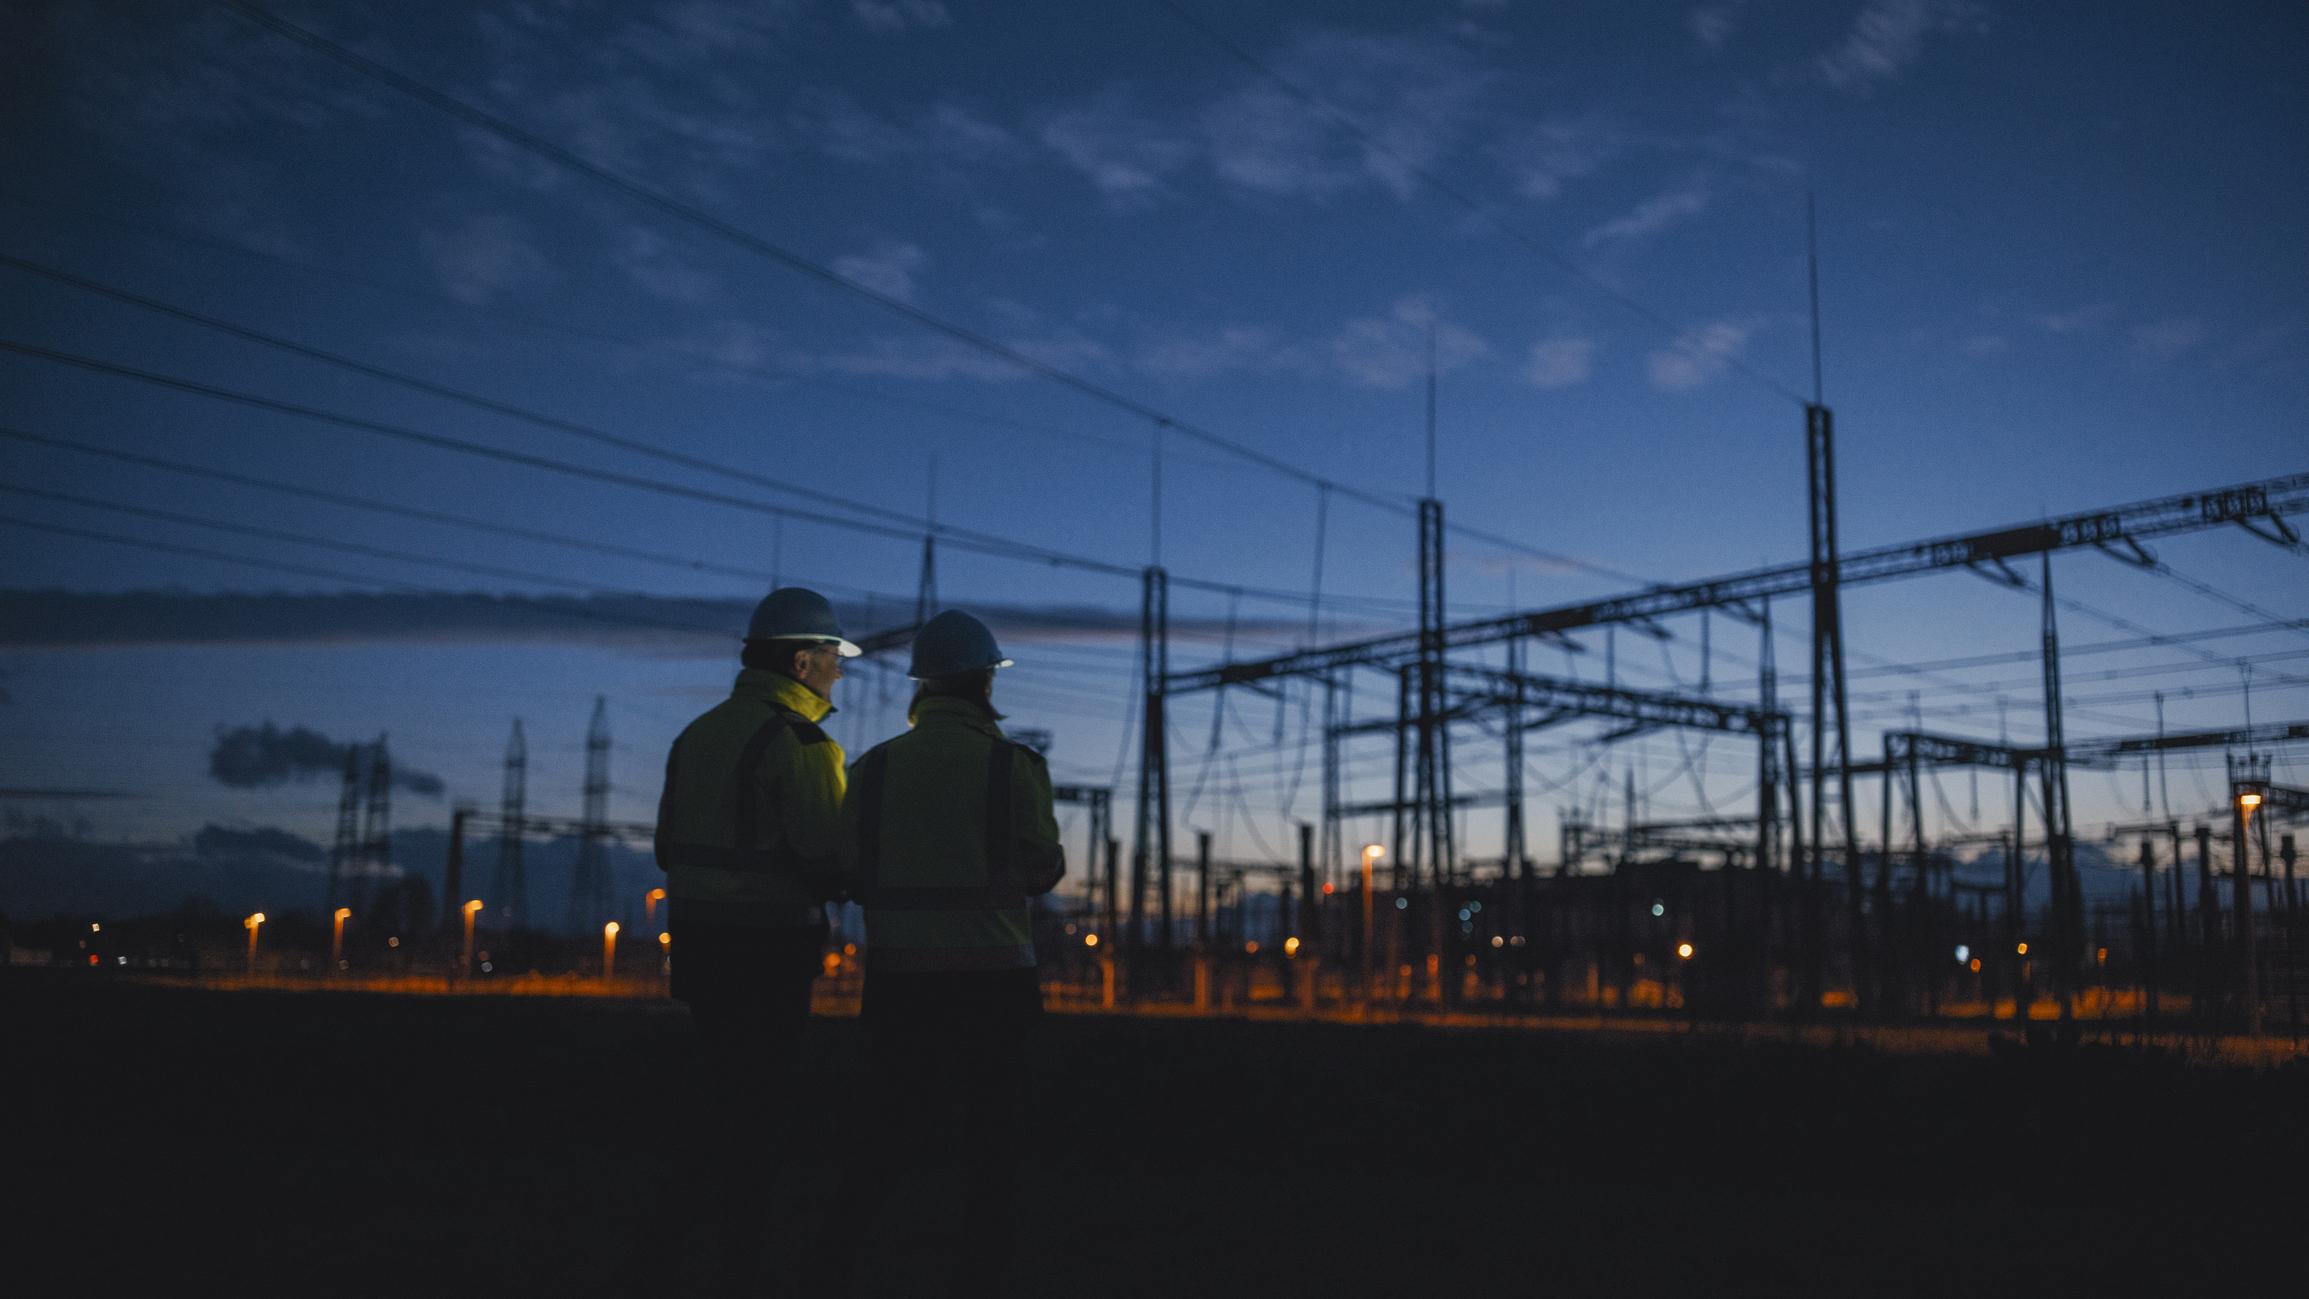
(308, 539)
(691, 215)
(494, 406)
(1006, 550)
(534, 324)
(387, 507)
(480, 525)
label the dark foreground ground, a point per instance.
(166, 1141)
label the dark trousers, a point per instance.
(742, 1100)
(938, 1193)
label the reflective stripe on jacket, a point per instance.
(749, 826)
(949, 834)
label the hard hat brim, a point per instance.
(841, 647)
(999, 663)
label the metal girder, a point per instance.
(1461, 710)
(1377, 806)
(1649, 707)
(560, 825)
(2128, 550)
(1699, 824)
(1957, 751)
(2266, 501)
(2284, 800)
(2243, 738)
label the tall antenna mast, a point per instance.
(1812, 268)
(1431, 410)
(1158, 492)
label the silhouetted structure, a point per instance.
(509, 891)
(590, 900)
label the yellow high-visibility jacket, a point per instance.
(749, 828)
(949, 834)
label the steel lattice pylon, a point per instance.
(591, 902)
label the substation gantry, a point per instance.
(1434, 694)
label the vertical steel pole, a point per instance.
(2248, 968)
(453, 870)
(2148, 938)
(1828, 687)
(2060, 841)
(1203, 931)
(1152, 853)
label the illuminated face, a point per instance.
(819, 667)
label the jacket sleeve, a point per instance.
(1036, 854)
(807, 787)
(846, 877)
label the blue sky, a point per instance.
(2060, 261)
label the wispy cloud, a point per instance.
(1228, 349)
(1711, 25)
(1983, 346)
(1886, 36)
(485, 257)
(2078, 321)
(1699, 355)
(890, 17)
(950, 134)
(1561, 362)
(1543, 157)
(889, 267)
(1126, 155)
(2168, 340)
(649, 262)
(682, 35)
(1391, 351)
(1412, 97)
(1668, 208)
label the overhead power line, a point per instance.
(982, 543)
(262, 533)
(496, 407)
(697, 218)
(691, 215)
(1002, 549)
(174, 548)
(388, 507)
(562, 328)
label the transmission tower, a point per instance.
(1828, 700)
(1431, 829)
(590, 901)
(510, 892)
(1152, 850)
(377, 828)
(346, 851)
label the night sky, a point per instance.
(2061, 266)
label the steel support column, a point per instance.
(1828, 687)
(2060, 843)
(1152, 852)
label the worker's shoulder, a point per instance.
(804, 731)
(740, 718)
(1022, 750)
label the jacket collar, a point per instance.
(945, 710)
(781, 691)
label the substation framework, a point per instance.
(1803, 850)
